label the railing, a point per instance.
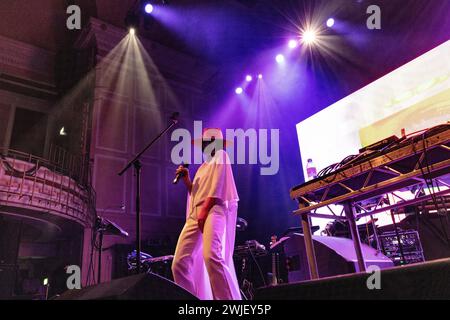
(35, 183)
(73, 165)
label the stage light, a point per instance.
(309, 37)
(132, 31)
(260, 76)
(292, 44)
(248, 78)
(279, 58)
(239, 90)
(45, 282)
(148, 8)
(62, 132)
(330, 22)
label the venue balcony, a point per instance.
(45, 190)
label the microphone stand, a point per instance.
(135, 162)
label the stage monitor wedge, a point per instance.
(145, 286)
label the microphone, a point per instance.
(180, 175)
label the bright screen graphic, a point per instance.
(415, 96)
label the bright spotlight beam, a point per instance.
(309, 37)
(330, 22)
(132, 31)
(279, 58)
(292, 44)
(148, 8)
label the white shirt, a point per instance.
(214, 179)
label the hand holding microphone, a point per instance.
(181, 172)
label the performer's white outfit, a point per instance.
(203, 263)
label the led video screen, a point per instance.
(413, 97)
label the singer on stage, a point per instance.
(203, 262)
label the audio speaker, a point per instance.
(145, 286)
(334, 256)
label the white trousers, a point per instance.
(211, 243)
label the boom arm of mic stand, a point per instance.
(129, 164)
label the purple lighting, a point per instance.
(239, 90)
(248, 78)
(279, 58)
(292, 44)
(148, 8)
(260, 76)
(330, 22)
